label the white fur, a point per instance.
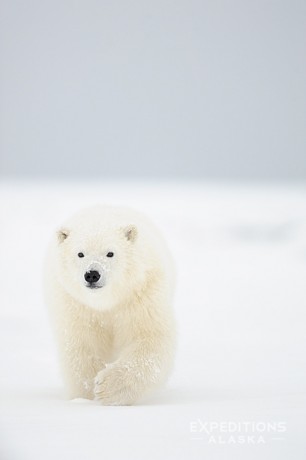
(116, 343)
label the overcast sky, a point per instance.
(162, 89)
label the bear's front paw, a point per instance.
(114, 387)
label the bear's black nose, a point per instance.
(92, 277)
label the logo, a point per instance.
(233, 432)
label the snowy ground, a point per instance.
(240, 307)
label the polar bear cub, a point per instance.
(109, 282)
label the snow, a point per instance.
(240, 252)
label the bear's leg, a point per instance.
(140, 368)
(79, 369)
(83, 352)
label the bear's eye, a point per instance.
(80, 254)
(110, 254)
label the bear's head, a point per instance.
(99, 259)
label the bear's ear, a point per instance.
(62, 234)
(130, 232)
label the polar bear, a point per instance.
(109, 283)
